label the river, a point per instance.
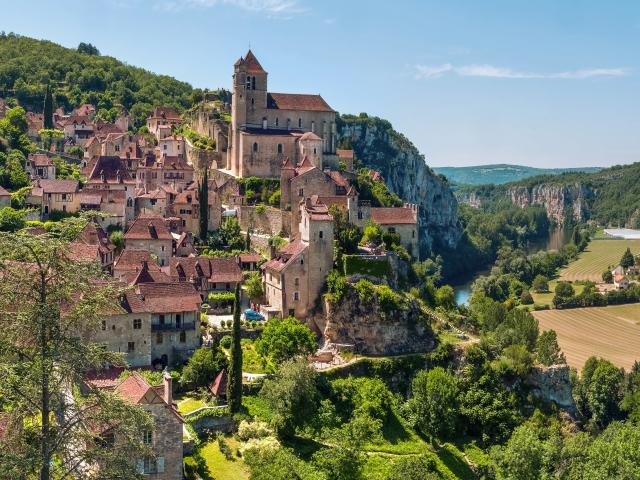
(556, 239)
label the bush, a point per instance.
(357, 264)
(526, 298)
(540, 284)
(365, 289)
(257, 429)
(225, 342)
(336, 286)
(388, 300)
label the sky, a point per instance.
(547, 83)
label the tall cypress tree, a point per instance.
(48, 108)
(203, 198)
(247, 241)
(234, 379)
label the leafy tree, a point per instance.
(523, 456)
(234, 382)
(203, 198)
(52, 299)
(372, 233)
(526, 298)
(615, 453)
(516, 360)
(88, 49)
(564, 290)
(519, 328)
(540, 284)
(607, 276)
(48, 109)
(11, 220)
(282, 340)
(413, 467)
(358, 397)
(434, 402)
(446, 297)
(117, 238)
(203, 366)
(292, 396)
(227, 236)
(253, 284)
(599, 391)
(346, 235)
(547, 349)
(14, 128)
(627, 259)
(247, 240)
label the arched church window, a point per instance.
(279, 148)
(299, 123)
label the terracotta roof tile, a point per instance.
(133, 259)
(165, 112)
(40, 159)
(58, 186)
(216, 270)
(169, 297)
(148, 227)
(252, 64)
(393, 215)
(344, 153)
(297, 101)
(4, 193)
(109, 169)
(285, 255)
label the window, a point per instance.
(320, 234)
(264, 123)
(64, 197)
(178, 319)
(391, 230)
(183, 336)
(413, 234)
(253, 102)
(131, 347)
(313, 127)
(253, 83)
(248, 83)
(301, 192)
(117, 148)
(296, 282)
(137, 323)
(301, 260)
(159, 338)
(279, 148)
(292, 312)
(255, 146)
(288, 123)
(296, 296)
(315, 150)
(277, 122)
(104, 325)
(299, 123)
(147, 437)
(164, 146)
(228, 286)
(161, 317)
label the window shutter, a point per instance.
(160, 463)
(140, 465)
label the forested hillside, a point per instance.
(83, 76)
(609, 197)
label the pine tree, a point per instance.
(627, 259)
(48, 109)
(234, 380)
(203, 198)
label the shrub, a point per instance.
(260, 209)
(336, 286)
(354, 264)
(249, 430)
(388, 299)
(365, 289)
(225, 342)
(526, 298)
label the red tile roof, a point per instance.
(94, 234)
(304, 166)
(82, 252)
(57, 186)
(310, 136)
(169, 297)
(165, 112)
(283, 257)
(107, 378)
(219, 386)
(250, 257)
(4, 193)
(108, 169)
(148, 227)
(40, 159)
(216, 270)
(393, 215)
(133, 259)
(316, 209)
(252, 64)
(297, 101)
(344, 153)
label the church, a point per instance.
(268, 128)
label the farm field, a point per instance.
(547, 298)
(599, 255)
(608, 332)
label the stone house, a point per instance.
(186, 207)
(162, 116)
(400, 220)
(35, 123)
(150, 232)
(93, 244)
(55, 195)
(109, 177)
(294, 277)
(78, 129)
(151, 202)
(265, 127)
(131, 261)
(40, 165)
(207, 275)
(171, 146)
(153, 172)
(5, 198)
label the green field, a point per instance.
(546, 298)
(608, 332)
(598, 257)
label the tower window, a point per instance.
(279, 148)
(253, 101)
(313, 126)
(299, 123)
(320, 234)
(248, 83)
(314, 150)
(253, 83)
(264, 123)
(277, 121)
(255, 146)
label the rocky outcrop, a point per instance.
(365, 328)
(406, 174)
(563, 203)
(552, 384)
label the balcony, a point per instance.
(170, 327)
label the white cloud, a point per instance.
(274, 8)
(491, 71)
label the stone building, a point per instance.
(110, 187)
(93, 243)
(154, 172)
(151, 232)
(40, 165)
(400, 220)
(131, 261)
(55, 195)
(162, 118)
(294, 277)
(268, 127)
(206, 274)
(186, 207)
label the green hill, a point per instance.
(500, 173)
(27, 65)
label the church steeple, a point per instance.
(252, 64)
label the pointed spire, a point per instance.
(252, 63)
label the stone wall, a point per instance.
(271, 221)
(213, 423)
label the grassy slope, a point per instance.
(598, 257)
(610, 332)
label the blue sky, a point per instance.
(546, 83)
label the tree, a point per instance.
(600, 390)
(247, 240)
(203, 366)
(253, 284)
(203, 198)
(615, 453)
(540, 284)
(372, 233)
(434, 402)
(607, 276)
(292, 396)
(48, 109)
(234, 381)
(413, 467)
(56, 303)
(519, 328)
(117, 238)
(11, 220)
(88, 49)
(522, 458)
(446, 297)
(526, 298)
(627, 259)
(282, 340)
(547, 349)
(564, 290)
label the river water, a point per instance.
(557, 238)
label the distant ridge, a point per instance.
(501, 173)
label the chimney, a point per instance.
(272, 252)
(168, 388)
(145, 266)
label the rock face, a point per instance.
(406, 174)
(562, 202)
(552, 384)
(371, 331)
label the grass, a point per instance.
(609, 332)
(215, 466)
(190, 404)
(448, 337)
(546, 298)
(598, 257)
(252, 361)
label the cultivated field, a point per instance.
(608, 332)
(599, 255)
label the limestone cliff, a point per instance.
(378, 146)
(371, 330)
(552, 384)
(563, 202)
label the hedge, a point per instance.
(353, 264)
